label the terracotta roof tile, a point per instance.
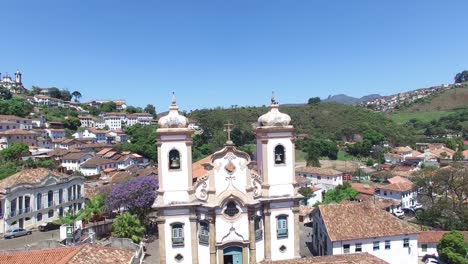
(398, 179)
(398, 187)
(435, 236)
(75, 155)
(18, 132)
(31, 176)
(357, 258)
(94, 162)
(198, 170)
(320, 171)
(363, 188)
(342, 224)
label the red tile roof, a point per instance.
(319, 171)
(198, 170)
(363, 188)
(342, 224)
(30, 176)
(356, 258)
(398, 187)
(435, 236)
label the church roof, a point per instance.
(198, 170)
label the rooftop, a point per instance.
(398, 187)
(75, 155)
(435, 236)
(18, 132)
(70, 255)
(363, 188)
(198, 170)
(342, 224)
(29, 176)
(356, 258)
(320, 171)
(94, 162)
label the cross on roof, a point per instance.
(228, 129)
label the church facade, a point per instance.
(13, 85)
(239, 211)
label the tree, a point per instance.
(142, 141)
(15, 151)
(453, 248)
(72, 123)
(458, 156)
(150, 109)
(94, 207)
(137, 196)
(128, 226)
(340, 193)
(132, 109)
(65, 95)
(5, 94)
(15, 106)
(306, 192)
(108, 107)
(461, 77)
(314, 100)
(76, 95)
(70, 217)
(55, 93)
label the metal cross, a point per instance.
(228, 129)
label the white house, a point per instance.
(73, 160)
(114, 121)
(16, 121)
(428, 241)
(55, 133)
(34, 196)
(46, 100)
(403, 191)
(225, 211)
(95, 166)
(328, 178)
(98, 135)
(363, 227)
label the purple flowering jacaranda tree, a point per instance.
(136, 195)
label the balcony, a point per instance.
(204, 239)
(258, 234)
(177, 241)
(282, 233)
(27, 210)
(13, 213)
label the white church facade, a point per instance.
(240, 211)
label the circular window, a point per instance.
(231, 209)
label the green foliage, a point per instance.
(453, 248)
(77, 95)
(340, 193)
(94, 207)
(150, 109)
(132, 109)
(142, 140)
(5, 94)
(316, 148)
(57, 114)
(15, 106)
(461, 77)
(370, 162)
(314, 100)
(72, 123)
(108, 107)
(70, 217)
(15, 151)
(7, 169)
(458, 156)
(128, 226)
(306, 192)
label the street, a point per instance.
(24, 241)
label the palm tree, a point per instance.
(70, 217)
(77, 95)
(94, 207)
(128, 226)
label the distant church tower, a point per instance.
(18, 77)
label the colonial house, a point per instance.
(67, 143)
(95, 166)
(237, 210)
(35, 196)
(114, 121)
(99, 136)
(15, 122)
(428, 241)
(73, 160)
(340, 229)
(55, 133)
(403, 191)
(327, 178)
(355, 258)
(9, 137)
(119, 136)
(46, 100)
(87, 121)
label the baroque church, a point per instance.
(239, 210)
(14, 86)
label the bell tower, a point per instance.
(174, 143)
(18, 77)
(275, 152)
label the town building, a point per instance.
(355, 258)
(9, 137)
(94, 166)
(34, 196)
(15, 122)
(347, 228)
(401, 190)
(326, 178)
(45, 100)
(429, 240)
(14, 86)
(55, 133)
(234, 212)
(98, 136)
(73, 160)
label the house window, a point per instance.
(38, 201)
(279, 154)
(424, 247)
(282, 226)
(319, 177)
(406, 242)
(358, 247)
(376, 245)
(231, 209)
(387, 244)
(204, 233)
(174, 159)
(346, 248)
(258, 228)
(385, 193)
(177, 235)
(39, 217)
(50, 213)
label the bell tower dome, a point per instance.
(174, 143)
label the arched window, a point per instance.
(231, 209)
(50, 198)
(279, 154)
(282, 226)
(204, 233)
(39, 201)
(174, 160)
(177, 234)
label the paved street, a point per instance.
(152, 250)
(34, 238)
(305, 241)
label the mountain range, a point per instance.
(349, 100)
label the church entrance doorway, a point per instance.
(233, 255)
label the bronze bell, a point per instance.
(278, 158)
(175, 163)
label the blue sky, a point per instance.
(223, 53)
